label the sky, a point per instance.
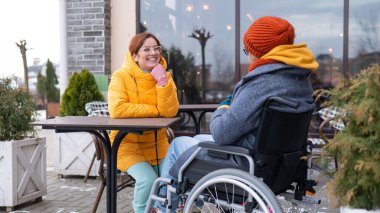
(37, 22)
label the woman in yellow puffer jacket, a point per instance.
(141, 88)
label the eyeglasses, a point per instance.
(245, 51)
(149, 49)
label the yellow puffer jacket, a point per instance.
(134, 94)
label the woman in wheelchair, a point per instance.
(277, 86)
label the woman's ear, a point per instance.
(252, 58)
(135, 58)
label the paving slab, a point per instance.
(72, 195)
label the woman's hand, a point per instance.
(159, 74)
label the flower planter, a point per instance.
(52, 110)
(23, 171)
(73, 154)
(350, 210)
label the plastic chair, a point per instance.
(95, 108)
(331, 121)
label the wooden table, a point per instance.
(98, 126)
(191, 108)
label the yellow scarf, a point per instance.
(294, 54)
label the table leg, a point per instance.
(199, 121)
(196, 123)
(107, 146)
(155, 144)
(112, 174)
(111, 184)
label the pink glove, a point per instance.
(159, 74)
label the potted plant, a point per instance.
(74, 151)
(22, 156)
(357, 146)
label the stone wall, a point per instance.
(89, 35)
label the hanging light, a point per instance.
(205, 7)
(189, 8)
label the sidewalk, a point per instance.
(71, 194)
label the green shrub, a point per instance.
(17, 111)
(357, 146)
(82, 88)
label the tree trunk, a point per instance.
(22, 47)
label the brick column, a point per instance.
(89, 36)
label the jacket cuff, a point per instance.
(224, 106)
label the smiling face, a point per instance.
(149, 54)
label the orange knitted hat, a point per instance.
(267, 33)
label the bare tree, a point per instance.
(368, 41)
(202, 36)
(23, 49)
(223, 67)
(369, 36)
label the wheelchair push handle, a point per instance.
(284, 101)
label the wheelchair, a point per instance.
(278, 169)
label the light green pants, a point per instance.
(144, 175)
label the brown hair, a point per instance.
(138, 40)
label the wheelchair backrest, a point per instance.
(281, 144)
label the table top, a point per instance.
(105, 123)
(197, 107)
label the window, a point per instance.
(199, 45)
(319, 24)
(364, 34)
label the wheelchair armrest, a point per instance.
(226, 149)
(233, 150)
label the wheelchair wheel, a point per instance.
(231, 190)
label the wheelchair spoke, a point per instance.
(214, 199)
(244, 196)
(226, 190)
(217, 199)
(202, 208)
(233, 193)
(229, 191)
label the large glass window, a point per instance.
(319, 24)
(199, 44)
(200, 38)
(364, 34)
(202, 41)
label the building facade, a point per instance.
(88, 26)
(343, 35)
